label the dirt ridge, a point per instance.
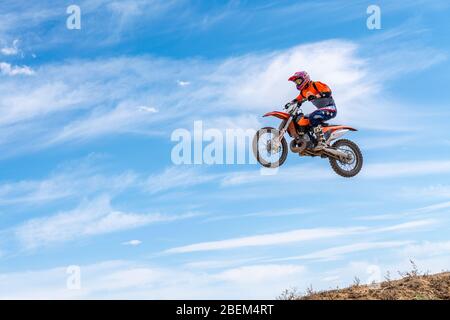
(411, 286)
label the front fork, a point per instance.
(276, 142)
(284, 127)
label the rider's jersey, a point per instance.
(322, 93)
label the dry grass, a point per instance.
(412, 286)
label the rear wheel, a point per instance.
(353, 165)
(269, 148)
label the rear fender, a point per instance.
(334, 128)
(337, 132)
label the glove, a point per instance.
(289, 104)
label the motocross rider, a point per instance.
(320, 96)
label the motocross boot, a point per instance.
(320, 139)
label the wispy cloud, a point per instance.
(183, 83)
(88, 219)
(137, 280)
(382, 170)
(339, 252)
(385, 142)
(129, 279)
(410, 225)
(69, 181)
(148, 109)
(12, 50)
(252, 274)
(287, 175)
(426, 210)
(262, 214)
(426, 249)
(268, 239)
(64, 103)
(177, 177)
(222, 263)
(108, 19)
(133, 243)
(10, 70)
(122, 119)
(428, 192)
(408, 168)
(297, 236)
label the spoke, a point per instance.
(350, 165)
(266, 151)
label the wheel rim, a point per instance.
(352, 161)
(268, 150)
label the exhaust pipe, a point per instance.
(342, 156)
(301, 149)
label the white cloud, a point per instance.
(262, 214)
(338, 252)
(131, 280)
(148, 109)
(298, 235)
(404, 169)
(10, 70)
(235, 88)
(413, 212)
(87, 179)
(177, 177)
(122, 119)
(133, 243)
(410, 225)
(285, 174)
(36, 101)
(369, 171)
(245, 121)
(69, 181)
(65, 102)
(433, 207)
(11, 51)
(220, 264)
(88, 219)
(384, 142)
(256, 274)
(428, 192)
(183, 83)
(118, 15)
(426, 249)
(264, 86)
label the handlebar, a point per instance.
(297, 105)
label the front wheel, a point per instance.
(269, 148)
(352, 166)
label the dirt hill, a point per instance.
(412, 286)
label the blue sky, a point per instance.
(87, 179)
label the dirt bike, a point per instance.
(270, 147)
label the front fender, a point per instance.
(277, 114)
